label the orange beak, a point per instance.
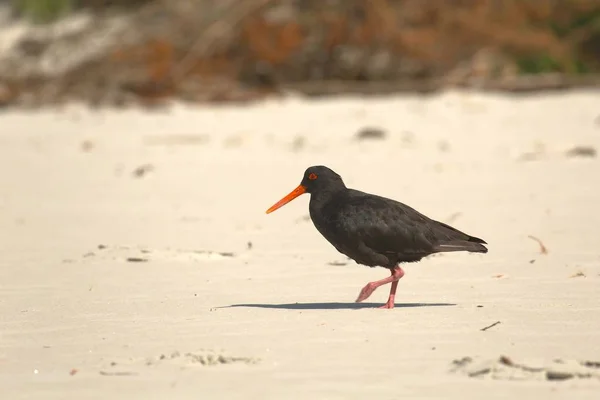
(293, 194)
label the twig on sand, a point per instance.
(543, 248)
(119, 373)
(490, 326)
(453, 217)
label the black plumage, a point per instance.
(374, 230)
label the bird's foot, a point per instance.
(366, 292)
(389, 304)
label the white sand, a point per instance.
(66, 305)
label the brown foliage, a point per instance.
(197, 45)
(412, 38)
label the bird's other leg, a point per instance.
(396, 274)
(390, 303)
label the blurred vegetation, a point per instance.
(223, 49)
(43, 11)
(579, 30)
(46, 11)
(567, 32)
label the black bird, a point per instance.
(373, 230)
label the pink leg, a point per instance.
(397, 273)
(390, 302)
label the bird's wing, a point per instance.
(384, 225)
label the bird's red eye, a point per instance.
(312, 177)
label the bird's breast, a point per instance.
(329, 228)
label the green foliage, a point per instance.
(538, 64)
(588, 19)
(544, 63)
(43, 11)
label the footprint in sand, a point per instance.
(504, 368)
(206, 358)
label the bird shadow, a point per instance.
(335, 306)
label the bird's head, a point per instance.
(316, 179)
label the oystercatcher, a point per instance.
(374, 230)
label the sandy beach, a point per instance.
(138, 261)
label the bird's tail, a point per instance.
(472, 244)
